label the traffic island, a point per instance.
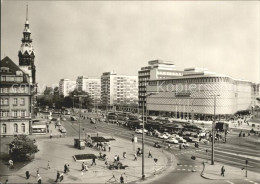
(84, 157)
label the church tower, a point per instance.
(26, 52)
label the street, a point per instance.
(186, 168)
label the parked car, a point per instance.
(138, 131)
(188, 138)
(156, 133)
(172, 140)
(62, 129)
(163, 136)
(181, 140)
(63, 119)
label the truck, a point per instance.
(222, 126)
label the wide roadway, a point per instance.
(186, 170)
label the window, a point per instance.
(23, 113)
(22, 101)
(15, 101)
(5, 90)
(15, 113)
(6, 101)
(4, 128)
(4, 113)
(2, 101)
(23, 127)
(15, 128)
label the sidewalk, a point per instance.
(59, 151)
(213, 172)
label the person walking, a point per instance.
(150, 154)
(117, 158)
(124, 155)
(61, 177)
(94, 161)
(222, 171)
(65, 168)
(68, 168)
(135, 157)
(38, 172)
(39, 180)
(57, 176)
(27, 173)
(83, 166)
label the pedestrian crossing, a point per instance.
(189, 168)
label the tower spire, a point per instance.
(27, 11)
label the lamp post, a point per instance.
(143, 176)
(213, 131)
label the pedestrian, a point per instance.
(38, 172)
(51, 136)
(135, 157)
(106, 160)
(61, 177)
(6, 181)
(222, 171)
(117, 158)
(65, 168)
(57, 176)
(109, 147)
(48, 165)
(180, 147)
(94, 161)
(121, 179)
(124, 155)
(27, 173)
(11, 163)
(68, 168)
(83, 166)
(150, 154)
(39, 180)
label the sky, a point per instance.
(74, 38)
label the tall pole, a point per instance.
(143, 176)
(79, 116)
(213, 132)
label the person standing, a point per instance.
(27, 173)
(121, 179)
(48, 165)
(150, 154)
(109, 147)
(124, 155)
(94, 161)
(117, 158)
(222, 171)
(58, 176)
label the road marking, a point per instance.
(229, 182)
(251, 181)
(178, 169)
(189, 170)
(185, 165)
(183, 169)
(195, 166)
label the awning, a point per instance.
(38, 126)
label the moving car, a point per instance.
(62, 129)
(138, 131)
(73, 118)
(92, 120)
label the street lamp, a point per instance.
(80, 108)
(149, 94)
(213, 130)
